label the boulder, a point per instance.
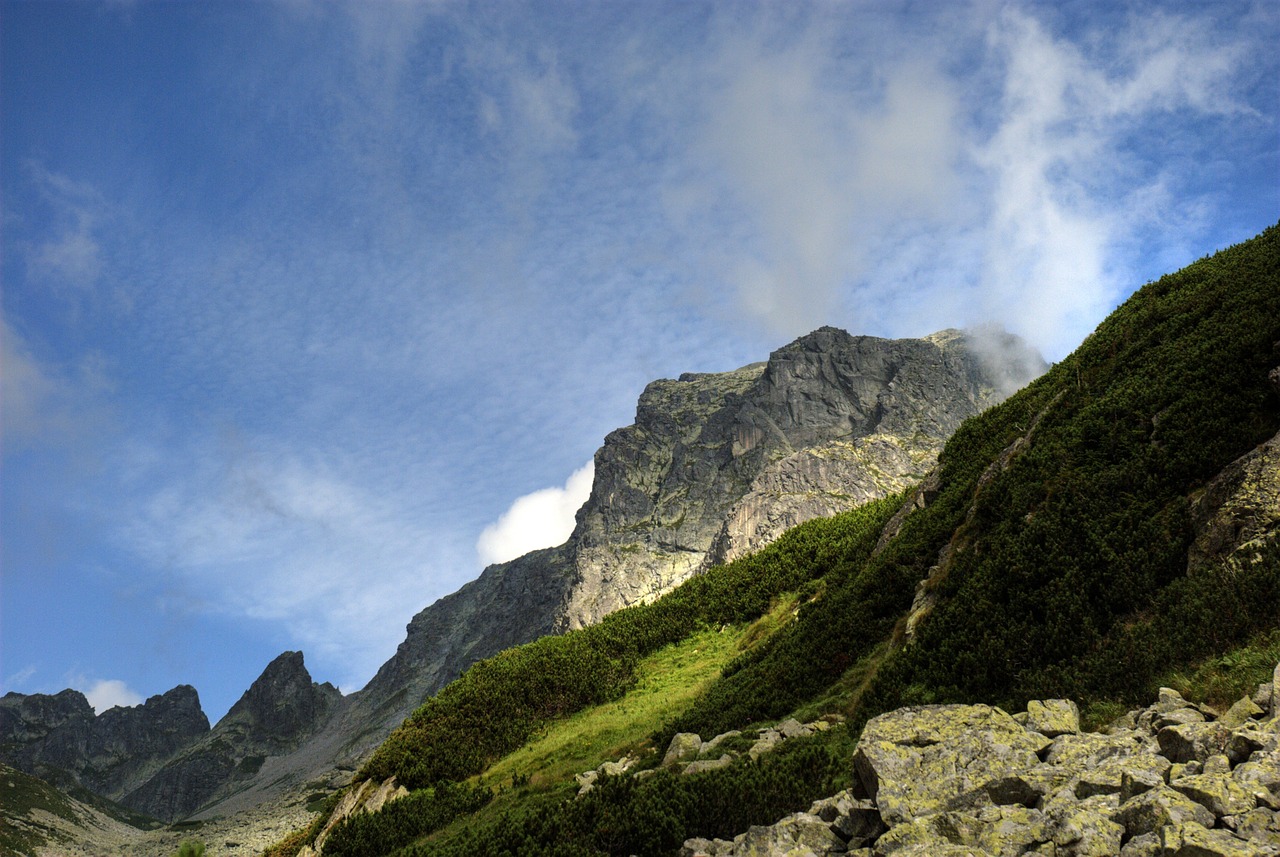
(1155, 808)
(1244, 710)
(1192, 741)
(927, 759)
(1218, 793)
(708, 764)
(1084, 831)
(1053, 717)
(1190, 839)
(798, 835)
(684, 747)
(1000, 831)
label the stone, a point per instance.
(792, 728)
(797, 835)
(1146, 845)
(1192, 741)
(1089, 749)
(702, 765)
(1260, 776)
(1084, 831)
(1001, 831)
(1262, 697)
(1135, 782)
(709, 747)
(1053, 717)
(1244, 710)
(1177, 717)
(1275, 692)
(1218, 793)
(1108, 776)
(1190, 839)
(860, 826)
(1157, 807)
(1259, 826)
(699, 847)
(684, 747)
(926, 759)
(1218, 764)
(768, 740)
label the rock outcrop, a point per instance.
(58, 737)
(1172, 780)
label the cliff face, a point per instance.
(59, 738)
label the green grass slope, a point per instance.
(1052, 541)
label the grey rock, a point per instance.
(1053, 717)
(798, 835)
(702, 765)
(923, 760)
(1192, 741)
(1152, 810)
(279, 711)
(1218, 793)
(1192, 839)
(684, 747)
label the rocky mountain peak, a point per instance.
(283, 702)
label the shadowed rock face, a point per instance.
(278, 712)
(58, 737)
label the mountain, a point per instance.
(279, 711)
(60, 739)
(1111, 527)
(715, 465)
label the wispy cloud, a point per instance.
(69, 252)
(541, 519)
(43, 406)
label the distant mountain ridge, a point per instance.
(715, 464)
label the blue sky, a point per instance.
(311, 309)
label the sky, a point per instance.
(311, 310)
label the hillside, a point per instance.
(716, 465)
(1113, 523)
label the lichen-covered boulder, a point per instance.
(1153, 809)
(1243, 711)
(1108, 776)
(1001, 831)
(1053, 717)
(1218, 793)
(798, 835)
(1190, 839)
(927, 759)
(1192, 741)
(684, 747)
(1259, 826)
(1084, 830)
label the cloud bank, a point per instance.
(541, 519)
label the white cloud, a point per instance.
(541, 519)
(110, 693)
